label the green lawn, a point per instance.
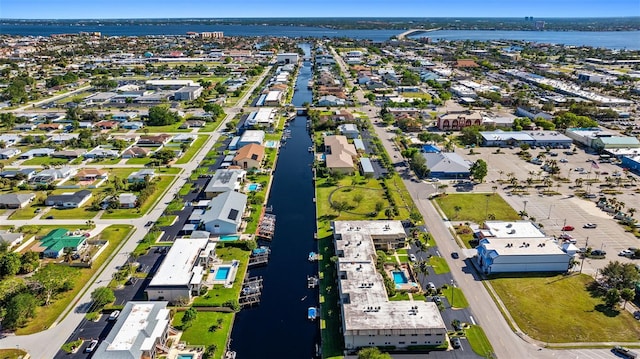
(185, 189)
(476, 207)
(139, 161)
(12, 353)
(50, 161)
(421, 95)
(167, 128)
(201, 331)
(115, 234)
(371, 192)
(560, 309)
(72, 213)
(164, 221)
(219, 294)
(163, 184)
(196, 145)
(459, 300)
(439, 265)
(478, 341)
(39, 230)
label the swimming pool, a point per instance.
(399, 277)
(184, 356)
(271, 144)
(254, 187)
(229, 238)
(222, 273)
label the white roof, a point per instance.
(135, 324)
(513, 229)
(178, 266)
(521, 246)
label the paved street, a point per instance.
(45, 344)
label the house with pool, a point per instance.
(184, 270)
(369, 318)
(225, 180)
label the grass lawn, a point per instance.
(193, 149)
(185, 189)
(200, 332)
(106, 161)
(12, 354)
(470, 203)
(371, 192)
(38, 161)
(115, 234)
(164, 221)
(478, 341)
(420, 95)
(219, 294)
(168, 128)
(43, 230)
(72, 213)
(439, 265)
(139, 161)
(459, 300)
(560, 309)
(27, 212)
(162, 185)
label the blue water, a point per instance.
(229, 238)
(253, 187)
(605, 39)
(223, 273)
(258, 332)
(399, 277)
(185, 356)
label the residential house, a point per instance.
(7, 153)
(264, 117)
(127, 200)
(11, 239)
(36, 152)
(25, 127)
(50, 126)
(183, 270)
(91, 174)
(192, 124)
(100, 152)
(339, 154)
(154, 140)
(56, 241)
(68, 200)
(331, 100)
(62, 138)
(224, 180)
(15, 200)
(466, 63)
(349, 130)
(136, 152)
(141, 175)
(52, 174)
(69, 154)
(184, 138)
(249, 156)
(225, 214)
(107, 125)
(10, 139)
(132, 125)
(24, 173)
(273, 98)
(251, 136)
(141, 332)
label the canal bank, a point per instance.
(278, 327)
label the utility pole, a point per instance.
(586, 245)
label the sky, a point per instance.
(102, 9)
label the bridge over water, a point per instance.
(416, 32)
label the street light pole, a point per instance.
(525, 206)
(452, 291)
(586, 245)
(550, 207)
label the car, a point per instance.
(553, 154)
(148, 224)
(604, 173)
(598, 253)
(434, 179)
(590, 195)
(636, 314)
(431, 286)
(92, 346)
(624, 352)
(564, 160)
(625, 253)
(566, 236)
(568, 228)
(131, 280)
(49, 217)
(38, 210)
(437, 300)
(455, 343)
(412, 257)
(579, 169)
(455, 255)
(590, 225)
(114, 315)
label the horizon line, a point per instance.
(328, 17)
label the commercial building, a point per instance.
(500, 138)
(368, 317)
(287, 58)
(183, 270)
(459, 120)
(518, 246)
(141, 331)
(264, 117)
(251, 136)
(273, 98)
(447, 165)
(187, 93)
(169, 84)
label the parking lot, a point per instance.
(553, 212)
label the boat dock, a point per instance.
(267, 226)
(258, 260)
(313, 256)
(251, 292)
(312, 281)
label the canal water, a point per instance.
(278, 327)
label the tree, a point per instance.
(627, 294)
(164, 155)
(612, 298)
(10, 264)
(339, 206)
(419, 165)
(372, 353)
(53, 279)
(102, 296)
(162, 116)
(189, 316)
(479, 170)
(620, 275)
(457, 209)
(19, 310)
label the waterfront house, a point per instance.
(225, 213)
(339, 154)
(249, 156)
(224, 180)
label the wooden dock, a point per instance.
(251, 292)
(266, 226)
(312, 281)
(258, 260)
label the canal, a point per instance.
(278, 327)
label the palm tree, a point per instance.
(457, 209)
(68, 254)
(631, 211)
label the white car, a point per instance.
(590, 225)
(625, 253)
(412, 257)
